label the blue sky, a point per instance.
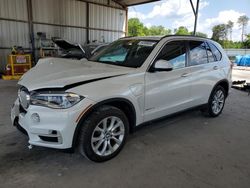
(174, 13)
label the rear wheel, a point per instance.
(216, 102)
(103, 134)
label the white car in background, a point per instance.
(94, 104)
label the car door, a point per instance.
(167, 92)
(205, 71)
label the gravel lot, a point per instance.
(187, 150)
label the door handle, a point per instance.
(215, 67)
(185, 75)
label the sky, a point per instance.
(174, 13)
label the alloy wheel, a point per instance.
(107, 136)
(218, 101)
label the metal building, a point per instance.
(77, 21)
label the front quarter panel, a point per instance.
(129, 87)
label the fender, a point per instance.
(222, 83)
(131, 118)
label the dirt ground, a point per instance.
(188, 150)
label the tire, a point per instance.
(95, 137)
(217, 98)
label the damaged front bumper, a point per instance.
(53, 128)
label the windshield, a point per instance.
(128, 53)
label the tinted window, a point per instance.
(175, 53)
(128, 53)
(215, 51)
(198, 53)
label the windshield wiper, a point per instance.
(111, 62)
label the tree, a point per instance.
(247, 42)
(219, 32)
(230, 26)
(182, 31)
(243, 21)
(158, 30)
(135, 27)
(199, 34)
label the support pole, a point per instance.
(31, 30)
(126, 23)
(87, 23)
(195, 11)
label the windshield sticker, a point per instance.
(146, 43)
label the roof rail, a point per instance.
(126, 37)
(184, 36)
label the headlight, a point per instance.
(59, 100)
(24, 97)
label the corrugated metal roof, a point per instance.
(133, 2)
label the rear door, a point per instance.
(204, 67)
(168, 91)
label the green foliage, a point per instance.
(243, 21)
(158, 30)
(182, 31)
(137, 28)
(230, 26)
(247, 42)
(200, 34)
(219, 32)
(230, 44)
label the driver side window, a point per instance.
(175, 53)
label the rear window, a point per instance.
(215, 51)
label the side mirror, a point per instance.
(162, 65)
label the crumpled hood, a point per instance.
(58, 73)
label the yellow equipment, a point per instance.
(17, 66)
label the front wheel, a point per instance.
(103, 134)
(216, 102)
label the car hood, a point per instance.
(65, 45)
(61, 73)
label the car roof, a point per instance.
(158, 38)
(155, 38)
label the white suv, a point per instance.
(94, 104)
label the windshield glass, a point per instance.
(128, 53)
